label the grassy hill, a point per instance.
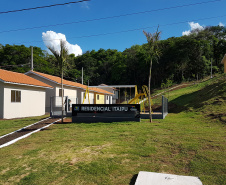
(207, 97)
(189, 141)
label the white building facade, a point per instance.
(74, 91)
(19, 99)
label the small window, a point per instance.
(60, 92)
(98, 97)
(107, 97)
(15, 96)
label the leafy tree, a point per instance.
(154, 54)
(185, 57)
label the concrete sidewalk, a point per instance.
(152, 178)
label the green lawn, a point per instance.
(7, 126)
(189, 141)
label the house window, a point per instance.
(98, 97)
(107, 97)
(60, 92)
(15, 96)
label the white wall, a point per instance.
(87, 100)
(80, 94)
(1, 99)
(32, 102)
(111, 99)
(49, 92)
(71, 92)
(68, 91)
(107, 99)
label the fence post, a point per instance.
(51, 106)
(66, 104)
(167, 106)
(163, 107)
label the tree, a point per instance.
(154, 54)
(61, 57)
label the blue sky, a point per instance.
(172, 21)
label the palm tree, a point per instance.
(61, 58)
(154, 54)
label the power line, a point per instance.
(143, 28)
(39, 7)
(111, 17)
(136, 29)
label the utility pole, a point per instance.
(32, 66)
(211, 68)
(82, 75)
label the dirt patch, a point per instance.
(67, 120)
(221, 117)
(173, 88)
(158, 107)
(218, 102)
(26, 130)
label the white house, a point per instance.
(75, 91)
(21, 95)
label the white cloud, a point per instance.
(52, 39)
(193, 27)
(221, 24)
(196, 26)
(186, 32)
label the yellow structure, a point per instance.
(224, 62)
(141, 97)
(98, 98)
(86, 94)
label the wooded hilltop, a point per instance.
(182, 58)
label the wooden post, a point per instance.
(211, 68)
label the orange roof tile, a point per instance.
(101, 91)
(58, 80)
(70, 83)
(20, 78)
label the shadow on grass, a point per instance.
(133, 180)
(197, 99)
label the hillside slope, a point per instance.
(208, 98)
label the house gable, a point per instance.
(20, 79)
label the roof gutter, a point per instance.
(53, 80)
(14, 83)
